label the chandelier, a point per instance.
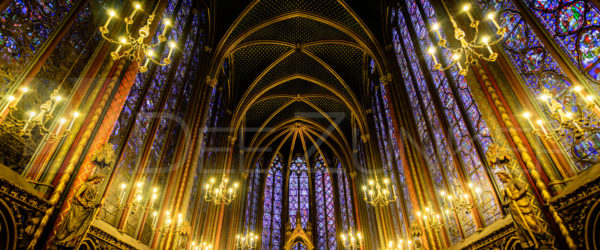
(221, 193)
(248, 240)
(201, 246)
(399, 245)
(35, 122)
(460, 202)
(377, 194)
(134, 47)
(138, 199)
(469, 51)
(430, 220)
(352, 240)
(180, 229)
(576, 125)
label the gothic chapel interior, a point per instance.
(299, 124)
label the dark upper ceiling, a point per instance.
(298, 70)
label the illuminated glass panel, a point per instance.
(252, 199)
(411, 69)
(574, 25)
(466, 146)
(145, 96)
(298, 192)
(272, 207)
(325, 208)
(24, 27)
(345, 197)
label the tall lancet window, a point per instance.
(271, 233)
(298, 192)
(345, 197)
(252, 199)
(574, 27)
(326, 237)
(456, 126)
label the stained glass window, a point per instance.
(252, 199)
(132, 132)
(458, 111)
(387, 137)
(537, 67)
(345, 197)
(574, 27)
(24, 27)
(325, 208)
(298, 191)
(272, 207)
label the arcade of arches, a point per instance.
(300, 124)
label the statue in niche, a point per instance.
(529, 229)
(75, 224)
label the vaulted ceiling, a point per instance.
(298, 73)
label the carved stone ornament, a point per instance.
(103, 240)
(575, 205)
(497, 155)
(22, 206)
(299, 236)
(104, 156)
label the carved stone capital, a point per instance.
(365, 138)
(231, 140)
(385, 79)
(211, 81)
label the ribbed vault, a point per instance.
(298, 71)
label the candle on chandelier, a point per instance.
(485, 41)
(466, 9)
(527, 115)
(136, 7)
(57, 99)
(455, 57)
(31, 115)
(541, 123)
(431, 51)
(111, 14)
(75, 115)
(172, 45)
(122, 41)
(491, 16)
(167, 25)
(149, 54)
(154, 218)
(436, 28)
(60, 124)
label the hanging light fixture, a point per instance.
(352, 240)
(378, 194)
(134, 47)
(221, 193)
(469, 51)
(247, 240)
(36, 121)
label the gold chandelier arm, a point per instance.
(109, 39)
(165, 61)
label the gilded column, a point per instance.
(523, 152)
